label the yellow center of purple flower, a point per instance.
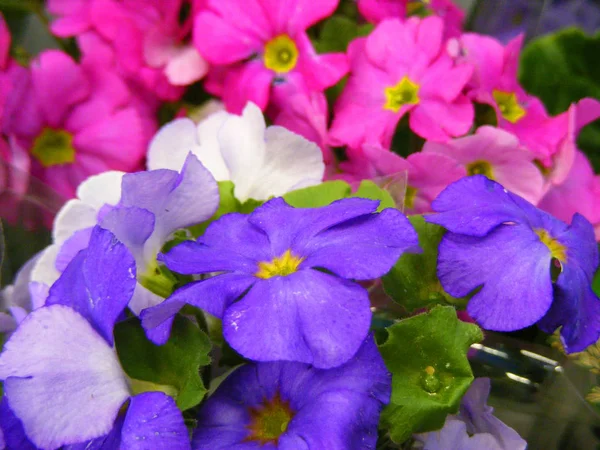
(480, 167)
(406, 92)
(557, 250)
(269, 420)
(509, 106)
(53, 147)
(282, 266)
(281, 54)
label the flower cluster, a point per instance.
(231, 266)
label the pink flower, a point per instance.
(377, 10)
(73, 122)
(496, 154)
(257, 43)
(415, 181)
(400, 69)
(149, 43)
(579, 193)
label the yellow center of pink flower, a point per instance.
(406, 92)
(480, 167)
(282, 266)
(509, 106)
(269, 420)
(53, 147)
(409, 197)
(557, 250)
(281, 54)
(418, 8)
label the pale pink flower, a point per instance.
(415, 181)
(400, 69)
(579, 193)
(254, 44)
(498, 155)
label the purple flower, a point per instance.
(475, 427)
(509, 248)
(290, 405)
(295, 265)
(62, 377)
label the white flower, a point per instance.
(261, 161)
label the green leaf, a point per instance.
(320, 195)
(171, 368)
(427, 356)
(560, 69)
(368, 189)
(413, 280)
(337, 32)
(227, 204)
(325, 193)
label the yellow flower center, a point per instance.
(269, 420)
(409, 197)
(285, 265)
(418, 8)
(480, 168)
(509, 106)
(557, 250)
(281, 54)
(54, 147)
(405, 92)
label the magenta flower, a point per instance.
(150, 44)
(255, 43)
(73, 122)
(400, 69)
(377, 10)
(496, 154)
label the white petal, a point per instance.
(75, 215)
(44, 270)
(62, 379)
(171, 145)
(142, 299)
(243, 148)
(209, 152)
(291, 162)
(101, 189)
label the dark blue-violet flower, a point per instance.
(291, 406)
(12, 435)
(293, 309)
(509, 248)
(474, 427)
(62, 377)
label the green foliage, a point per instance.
(325, 193)
(337, 32)
(427, 356)
(173, 367)
(413, 280)
(561, 69)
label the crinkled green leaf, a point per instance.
(560, 69)
(368, 189)
(427, 356)
(174, 367)
(413, 280)
(320, 195)
(325, 193)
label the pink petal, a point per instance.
(249, 82)
(319, 71)
(59, 83)
(294, 16)
(377, 10)
(438, 121)
(4, 43)
(186, 67)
